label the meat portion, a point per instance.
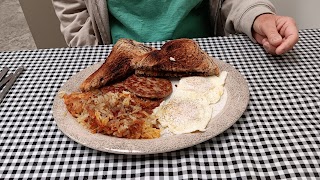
(114, 88)
(148, 87)
(117, 65)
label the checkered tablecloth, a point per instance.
(278, 135)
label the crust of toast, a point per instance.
(178, 57)
(117, 65)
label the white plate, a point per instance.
(235, 104)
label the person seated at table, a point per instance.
(93, 22)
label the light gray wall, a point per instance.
(43, 23)
(305, 12)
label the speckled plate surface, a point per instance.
(235, 103)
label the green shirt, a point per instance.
(157, 20)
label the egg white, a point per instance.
(210, 87)
(190, 106)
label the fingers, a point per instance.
(291, 36)
(277, 34)
(266, 25)
(258, 37)
(264, 42)
(284, 47)
(287, 45)
(273, 36)
(268, 47)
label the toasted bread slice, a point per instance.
(117, 65)
(177, 58)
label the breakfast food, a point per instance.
(117, 114)
(130, 95)
(176, 58)
(210, 87)
(117, 65)
(148, 87)
(123, 109)
(189, 108)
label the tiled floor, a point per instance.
(14, 31)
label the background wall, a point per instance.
(14, 30)
(305, 12)
(43, 23)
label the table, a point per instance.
(278, 136)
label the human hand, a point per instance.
(277, 34)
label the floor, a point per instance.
(14, 31)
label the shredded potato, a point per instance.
(116, 114)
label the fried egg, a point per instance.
(191, 104)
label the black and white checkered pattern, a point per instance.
(277, 137)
